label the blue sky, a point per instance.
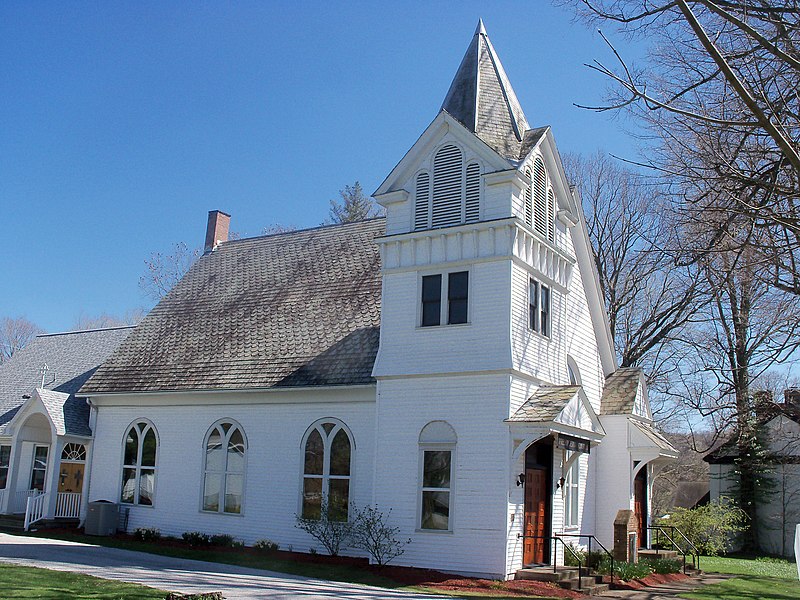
(122, 124)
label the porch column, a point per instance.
(51, 478)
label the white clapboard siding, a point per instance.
(447, 176)
(472, 204)
(422, 202)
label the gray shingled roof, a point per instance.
(70, 358)
(652, 434)
(619, 393)
(286, 310)
(545, 404)
(481, 97)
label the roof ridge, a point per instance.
(75, 331)
(296, 231)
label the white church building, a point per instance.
(451, 362)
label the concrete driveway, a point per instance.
(182, 575)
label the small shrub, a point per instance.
(664, 566)
(371, 533)
(223, 539)
(266, 546)
(206, 596)
(572, 555)
(332, 534)
(196, 539)
(237, 544)
(146, 534)
(711, 528)
(625, 570)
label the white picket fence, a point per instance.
(68, 505)
(35, 509)
(21, 500)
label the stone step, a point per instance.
(658, 554)
(547, 574)
(573, 584)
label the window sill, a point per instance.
(546, 338)
(436, 327)
(132, 505)
(435, 531)
(221, 514)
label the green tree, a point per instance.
(353, 206)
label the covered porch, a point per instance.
(45, 476)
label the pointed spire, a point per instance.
(481, 97)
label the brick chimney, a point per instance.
(217, 229)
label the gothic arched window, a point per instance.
(139, 464)
(328, 454)
(223, 481)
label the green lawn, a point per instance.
(761, 567)
(29, 582)
(748, 587)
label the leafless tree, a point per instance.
(650, 297)
(104, 320)
(15, 333)
(354, 205)
(720, 81)
(163, 271)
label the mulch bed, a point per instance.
(513, 587)
(654, 579)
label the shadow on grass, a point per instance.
(748, 587)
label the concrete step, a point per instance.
(547, 574)
(12, 522)
(658, 554)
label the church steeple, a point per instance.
(481, 97)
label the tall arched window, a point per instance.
(223, 482)
(437, 444)
(422, 195)
(326, 470)
(448, 169)
(139, 464)
(539, 197)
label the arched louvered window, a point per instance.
(529, 200)
(422, 196)
(539, 197)
(472, 202)
(223, 485)
(139, 464)
(447, 187)
(326, 471)
(551, 215)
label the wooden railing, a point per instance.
(68, 505)
(21, 500)
(35, 509)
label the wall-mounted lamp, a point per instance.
(560, 483)
(520, 479)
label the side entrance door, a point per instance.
(640, 505)
(534, 549)
(70, 478)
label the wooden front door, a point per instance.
(70, 477)
(640, 505)
(536, 517)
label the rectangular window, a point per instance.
(436, 489)
(533, 305)
(39, 468)
(457, 295)
(5, 460)
(571, 486)
(431, 300)
(544, 318)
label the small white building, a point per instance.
(451, 362)
(778, 510)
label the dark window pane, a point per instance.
(3, 477)
(236, 452)
(314, 454)
(147, 483)
(5, 456)
(234, 489)
(431, 300)
(338, 499)
(545, 310)
(458, 285)
(128, 485)
(131, 447)
(40, 457)
(149, 449)
(533, 308)
(340, 454)
(436, 470)
(435, 510)
(215, 454)
(328, 427)
(312, 497)
(211, 489)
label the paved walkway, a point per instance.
(668, 591)
(182, 575)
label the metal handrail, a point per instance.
(695, 554)
(589, 551)
(555, 538)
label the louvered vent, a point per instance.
(447, 175)
(551, 215)
(422, 200)
(472, 206)
(539, 197)
(529, 201)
